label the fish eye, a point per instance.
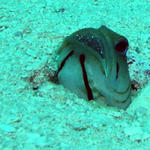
(121, 46)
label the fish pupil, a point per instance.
(121, 46)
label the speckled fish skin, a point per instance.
(90, 66)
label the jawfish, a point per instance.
(93, 63)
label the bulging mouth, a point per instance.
(122, 104)
(122, 92)
(125, 96)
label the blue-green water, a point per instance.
(38, 114)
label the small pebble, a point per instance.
(19, 34)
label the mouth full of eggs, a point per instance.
(92, 63)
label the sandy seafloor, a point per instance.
(36, 114)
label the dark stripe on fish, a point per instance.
(88, 89)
